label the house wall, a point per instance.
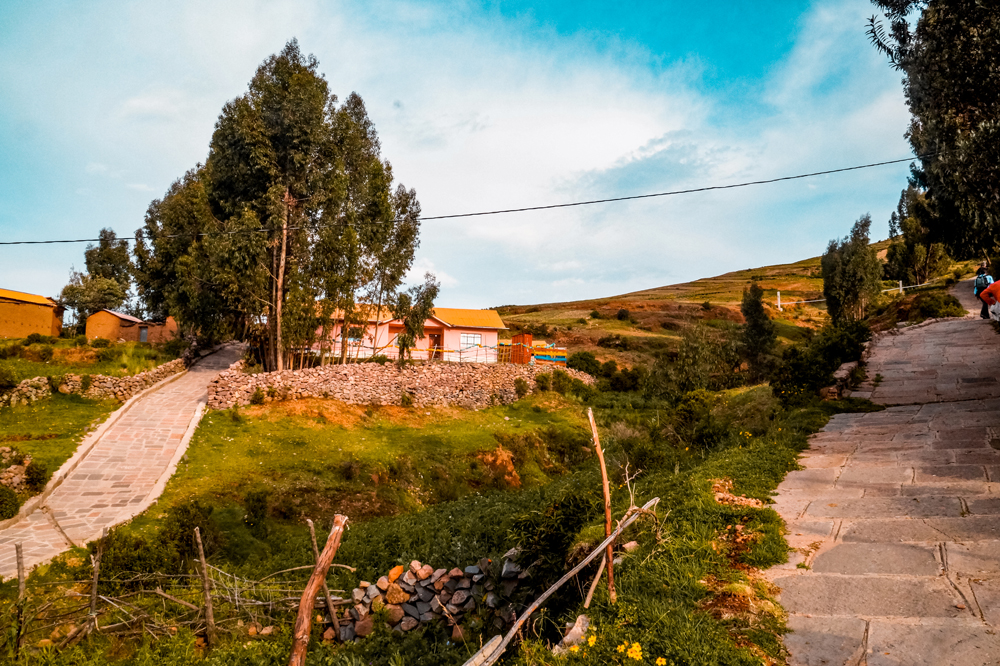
(19, 320)
(450, 343)
(163, 332)
(104, 325)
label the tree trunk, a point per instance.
(303, 621)
(279, 358)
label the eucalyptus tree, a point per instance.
(292, 218)
(852, 274)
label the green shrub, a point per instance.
(381, 359)
(623, 315)
(561, 382)
(38, 338)
(80, 341)
(609, 368)
(521, 387)
(614, 341)
(85, 383)
(584, 362)
(55, 381)
(256, 512)
(8, 503)
(581, 320)
(12, 350)
(706, 306)
(543, 381)
(107, 354)
(8, 379)
(45, 352)
(36, 475)
(177, 533)
(100, 343)
(257, 398)
(594, 314)
(935, 304)
(175, 347)
(124, 555)
(272, 392)
(406, 400)
(804, 370)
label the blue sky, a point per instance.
(479, 105)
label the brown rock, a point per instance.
(382, 583)
(457, 634)
(396, 572)
(456, 573)
(364, 627)
(396, 595)
(267, 631)
(395, 613)
(415, 566)
(425, 572)
(408, 623)
(329, 635)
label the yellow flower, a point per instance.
(591, 640)
(623, 647)
(635, 652)
(574, 648)
(660, 661)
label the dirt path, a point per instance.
(121, 474)
(896, 514)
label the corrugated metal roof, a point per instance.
(126, 317)
(470, 318)
(12, 295)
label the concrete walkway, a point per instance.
(121, 474)
(896, 514)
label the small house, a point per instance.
(450, 334)
(22, 314)
(115, 326)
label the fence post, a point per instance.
(206, 590)
(900, 286)
(779, 302)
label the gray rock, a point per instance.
(411, 610)
(423, 607)
(347, 633)
(425, 594)
(510, 569)
(492, 600)
(472, 570)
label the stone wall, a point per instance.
(101, 386)
(472, 385)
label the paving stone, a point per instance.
(890, 531)
(824, 641)
(987, 591)
(887, 507)
(973, 559)
(878, 558)
(869, 596)
(806, 479)
(931, 644)
(957, 489)
(947, 473)
(861, 476)
(970, 528)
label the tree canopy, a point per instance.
(852, 274)
(293, 219)
(951, 64)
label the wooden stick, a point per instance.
(326, 590)
(97, 572)
(175, 599)
(498, 652)
(303, 621)
(206, 589)
(20, 597)
(593, 586)
(612, 594)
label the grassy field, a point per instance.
(116, 360)
(49, 430)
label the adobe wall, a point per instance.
(471, 385)
(19, 320)
(104, 325)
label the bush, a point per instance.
(561, 382)
(521, 387)
(256, 512)
(55, 381)
(594, 314)
(107, 353)
(80, 341)
(45, 352)
(614, 341)
(623, 315)
(584, 362)
(177, 533)
(100, 343)
(543, 381)
(85, 383)
(706, 306)
(381, 359)
(257, 398)
(175, 347)
(805, 370)
(36, 474)
(7, 379)
(12, 350)
(935, 304)
(581, 320)
(406, 400)
(8, 503)
(38, 338)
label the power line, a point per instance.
(526, 209)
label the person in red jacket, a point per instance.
(991, 296)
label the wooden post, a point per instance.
(607, 507)
(206, 590)
(97, 573)
(326, 590)
(20, 597)
(303, 621)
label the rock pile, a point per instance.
(420, 594)
(471, 385)
(101, 386)
(12, 476)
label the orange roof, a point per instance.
(469, 318)
(12, 295)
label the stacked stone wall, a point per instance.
(471, 385)
(101, 386)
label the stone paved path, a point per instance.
(896, 513)
(113, 482)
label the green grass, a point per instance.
(49, 430)
(121, 360)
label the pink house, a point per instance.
(450, 334)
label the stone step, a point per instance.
(895, 596)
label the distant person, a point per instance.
(991, 299)
(983, 281)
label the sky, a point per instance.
(479, 106)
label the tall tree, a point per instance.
(759, 337)
(952, 66)
(413, 308)
(913, 256)
(852, 274)
(110, 259)
(292, 218)
(86, 294)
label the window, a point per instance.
(471, 339)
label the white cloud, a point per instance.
(96, 168)
(140, 187)
(424, 265)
